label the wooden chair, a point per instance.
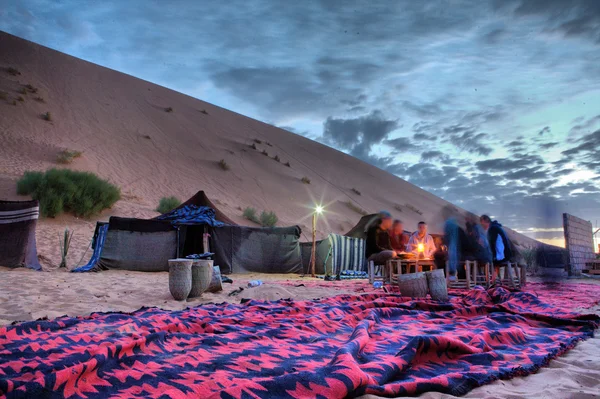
(466, 283)
(512, 275)
(394, 269)
(377, 273)
(481, 274)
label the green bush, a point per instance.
(268, 219)
(223, 164)
(250, 214)
(167, 204)
(62, 190)
(305, 180)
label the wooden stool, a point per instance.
(512, 276)
(394, 269)
(373, 275)
(461, 283)
(478, 278)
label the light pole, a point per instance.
(313, 253)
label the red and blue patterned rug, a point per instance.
(343, 346)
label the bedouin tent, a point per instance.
(183, 231)
(335, 254)
(18, 220)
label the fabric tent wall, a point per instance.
(334, 254)
(18, 220)
(240, 249)
(138, 245)
(359, 231)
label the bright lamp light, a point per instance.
(319, 209)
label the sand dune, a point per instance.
(121, 126)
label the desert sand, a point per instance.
(28, 295)
(121, 126)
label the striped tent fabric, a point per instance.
(18, 220)
(347, 253)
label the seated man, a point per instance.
(421, 237)
(398, 238)
(378, 246)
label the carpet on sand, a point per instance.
(347, 345)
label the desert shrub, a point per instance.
(3, 95)
(204, 112)
(20, 98)
(31, 89)
(305, 180)
(530, 255)
(169, 109)
(269, 144)
(250, 214)
(398, 208)
(14, 102)
(223, 164)
(253, 146)
(47, 116)
(268, 219)
(40, 100)
(65, 244)
(62, 190)
(257, 141)
(67, 156)
(288, 165)
(276, 157)
(13, 71)
(356, 208)
(167, 204)
(265, 153)
(22, 91)
(355, 191)
(146, 136)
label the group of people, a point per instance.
(386, 239)
(485, 242)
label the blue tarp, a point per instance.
(192, 214)
(97, 244)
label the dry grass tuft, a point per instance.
(305, 180)
(223, 164)
(67, 156)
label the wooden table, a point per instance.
(592, 266)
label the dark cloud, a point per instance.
(546, 129)
(547, 146)
(435, 155)
(424, 137)
(506, 164)
(534, 173)
(472, 142)
(358, 135)
(494, 36)
(573, 18)
(401, 144)
(585, 126)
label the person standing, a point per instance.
(421, 237)
(498, 240)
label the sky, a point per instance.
(492, 105)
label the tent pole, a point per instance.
(313, 256)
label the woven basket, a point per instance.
(413, 285)
(216, 284)
(202, 271)
(180, 278)
(436, 280)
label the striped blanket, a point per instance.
(18, 220)
(339, 347)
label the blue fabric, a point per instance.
(192, 214)
(98, 244)
(205, 255)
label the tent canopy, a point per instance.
(199, 200)
(18, 220)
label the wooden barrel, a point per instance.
(413, 285)
(436, 280)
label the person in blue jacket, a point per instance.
(499, 242)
